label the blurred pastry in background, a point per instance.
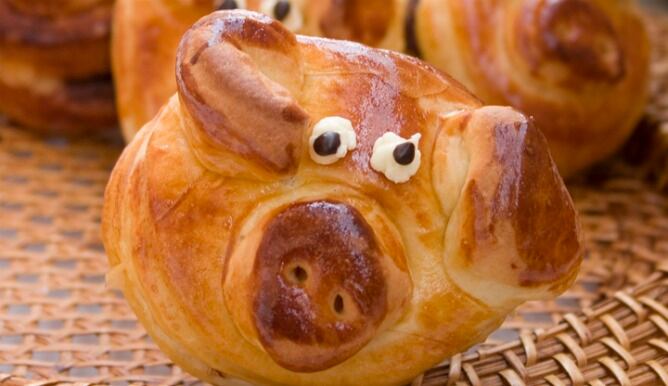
(55, 65)
(579, 67)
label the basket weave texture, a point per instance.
(60, 324)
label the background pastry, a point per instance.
(250, 259)
(55, 65)
(579, 67)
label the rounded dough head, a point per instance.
(247, 261)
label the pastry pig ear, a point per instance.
(513, 230)
(237, 73)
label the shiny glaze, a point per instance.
(378, 94)
(333, 307)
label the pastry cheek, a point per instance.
(320, 288)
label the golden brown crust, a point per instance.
(204, 240)
(56, 57)
(579, 67)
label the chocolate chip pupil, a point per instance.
(404, 154)
(327, 143)
(228, 4)
(281, 9)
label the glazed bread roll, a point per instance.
(308, 211)
(55, 65)
(579, 67)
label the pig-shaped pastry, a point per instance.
(309, 211)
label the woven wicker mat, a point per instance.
(59, 323)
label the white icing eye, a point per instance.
(285, 11)
(397, 158)
(229, 4)
(331, 139)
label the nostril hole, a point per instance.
(299, 274)
(338, 304)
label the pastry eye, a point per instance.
(397, 158)
(229, 4)
(327, 143)
(284, 11)
(404, 154)
(331, 139)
